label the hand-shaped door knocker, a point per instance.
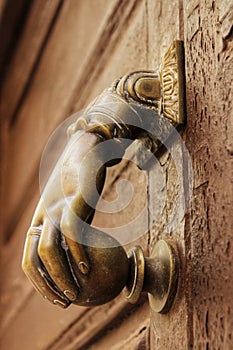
(68, 260)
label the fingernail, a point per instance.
(83, 267)
(69, 294)
(61, 304)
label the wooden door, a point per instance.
(56, 57)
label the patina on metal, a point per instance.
(69, 262)
(165, 91)
(157, 275)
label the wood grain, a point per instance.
(20, 315)
(46, 102)
(166, 192)
(209, 97)
(27, 55)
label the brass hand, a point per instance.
(57, 259)
(67, 260)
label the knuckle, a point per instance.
(34, 231)
(45, 249)
(70, 224)
(27, 265)
(65, 226)
(27, 260)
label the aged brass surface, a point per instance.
(156, 275)
(68, 260)
(135, 281)
(161, 275)
(172, 79)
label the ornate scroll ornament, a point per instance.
(172, 84)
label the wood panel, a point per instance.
(63, 59)
(27, 55)
(167, 188)
(67, 331)
(12, 16)
(209, 58)
(131, 333)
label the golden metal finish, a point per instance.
(161, 275)
(157, 275)
(143, 87)
(68, 260)
(165, 91)
(172, 81)
(135, 281)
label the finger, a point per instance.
(77, 214)
(71, 228)
(55, 260)
(35, 271)
(80, 207)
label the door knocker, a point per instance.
(68, 260)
